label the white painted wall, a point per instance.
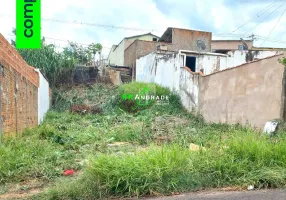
(43, 97)
(210, 63)
(161, 69)
(166, 70)
(116, 56)
(238, 57)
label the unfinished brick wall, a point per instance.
(187, 40)
(19, 84)
(138, 49)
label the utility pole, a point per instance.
(252, 36)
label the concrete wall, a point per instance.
(43, 97)
(251, 92)
(19, 84)
(187, 40)
(248, 93)
(239, 57)
(209, 63)
(161, 69)
(229, 44)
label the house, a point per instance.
(172, 40)
(187, 39)
(223, 46)
(116, 54)
(242, 51)
(221, 80)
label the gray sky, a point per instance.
(217, 16)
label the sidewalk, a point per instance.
(235, 195)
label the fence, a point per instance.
(19, 84)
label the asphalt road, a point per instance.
(235, 195)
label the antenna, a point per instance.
(201, 45)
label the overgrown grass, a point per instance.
(240, 160)
(137, 89)
(234, 155)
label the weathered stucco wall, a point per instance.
(189, 89)
(166, 70)
(252, 92)
(248, 93)
(239, 57)
(210, 63)
(161, 69)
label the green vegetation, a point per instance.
(121, 154)
(283, 61)
(136, 89)
(58, 66)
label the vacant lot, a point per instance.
(160, 149)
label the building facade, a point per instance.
(116, 54)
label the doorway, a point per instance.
(191, 63)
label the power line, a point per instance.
(269, 39)
(92, 24)
(256, 16)
(274, 26)
(253, 28)
(97, 25)
(67, 41)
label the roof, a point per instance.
(142, 35)
(268, 48)
(231, 40)
(134, 36)
(169, 30)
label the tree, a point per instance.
(283, 61)
(58, 66)
(47, 59)
(80, 54)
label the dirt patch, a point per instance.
(23, 190)
(164, 127)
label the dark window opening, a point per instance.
(221, 51)
(191, 63)
(242, 47)
(155, 39)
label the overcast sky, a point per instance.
(217, 16)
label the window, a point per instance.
(155, 39)
(191, 63)
(242, 47)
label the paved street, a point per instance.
(236, 195)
